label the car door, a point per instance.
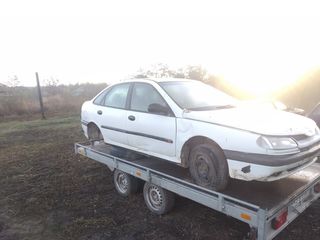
(111, 114)
(153, 132)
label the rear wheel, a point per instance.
(157, 199)
(94, 133)
(208, 167)
(124, 183)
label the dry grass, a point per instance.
(57, 99)
(48, 192)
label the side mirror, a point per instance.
(158, 109)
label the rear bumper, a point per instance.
(84, 126)
(250, 171)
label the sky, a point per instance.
(260, 46)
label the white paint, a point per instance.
(234, 129)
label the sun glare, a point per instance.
(265, 75)
(261, 83)
(266, 56)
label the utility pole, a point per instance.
(40, 96)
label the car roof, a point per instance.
(157, 80)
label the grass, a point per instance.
(54, 122)
(48, 192)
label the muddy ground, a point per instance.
(47, 192)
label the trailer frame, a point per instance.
(258, 217)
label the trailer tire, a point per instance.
(157, 199)
(124, 183)
(252, 234)
(208, 166)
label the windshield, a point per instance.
(193, 95)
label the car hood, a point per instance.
(266, 122)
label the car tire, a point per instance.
(157, 199)
(208, 166)
(94, 133)
(124, 183)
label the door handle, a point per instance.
(99, 112)
(132, 118)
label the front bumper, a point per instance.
(274, 160)
(250, 172)
(246, 166)
(84, 126)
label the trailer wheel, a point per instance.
(252, 234)
(157, 199)
(208, 167)
(124, 183)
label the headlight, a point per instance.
(277, 143)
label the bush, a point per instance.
(56, 99)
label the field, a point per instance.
(47, 192)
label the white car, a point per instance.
(198, 127)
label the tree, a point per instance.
(196, 73)
(13, 81)
(51, 85)
(162, 70)
(157, 70)
(51, 82)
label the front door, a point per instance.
(150, 132)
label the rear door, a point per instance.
(111, 114)
(152, 132)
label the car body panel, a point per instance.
(145, 133)
(315, 114)
(110, 119)
(266, 122)
(250, 171)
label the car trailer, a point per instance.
(268, 207)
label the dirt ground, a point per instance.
(47, 192)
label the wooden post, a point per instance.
(40, 96)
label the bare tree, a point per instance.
(13, 81)
(163, 70)
(51, 85)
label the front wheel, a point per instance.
(208, 167)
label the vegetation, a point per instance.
(57, 99)
(61, 99)
(303, 94)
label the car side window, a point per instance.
(143, 95)
(117, 96)
(99, 100)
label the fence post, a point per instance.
(40, 96)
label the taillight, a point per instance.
(278, 221)
(317, 188)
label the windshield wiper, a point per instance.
(206, 108)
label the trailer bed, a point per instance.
(255, 203)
